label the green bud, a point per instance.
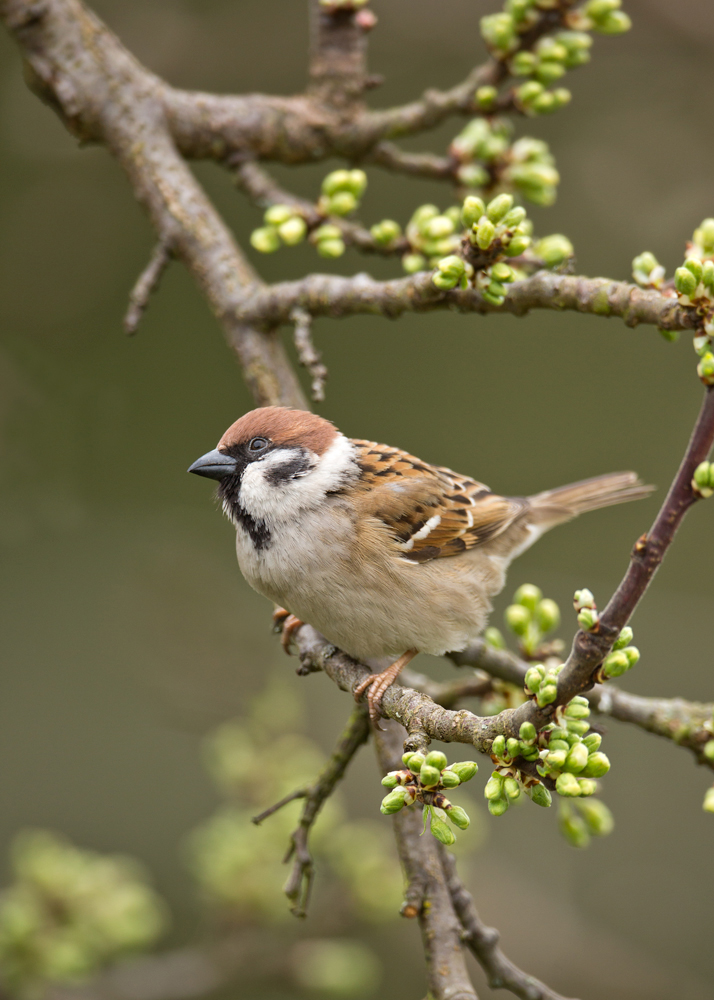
(528, 92)
(578, 727)
(444, 281)
(616, 664)
(512, 788)
(341, 203)
(450, 779)
(485, 234)
(527, 732)
(703, 477)
(554, 250)
(529, 752)
(705, 368)
(493, 638)
(546, 694)
(498, 31)
(559, 745)
(415, 762)
(592, 741)
(540, 795)
(588, 619)
(458, 816)
(528, 595)
(685, 282)
(547, 615)
(624, 638)
(328, 231)
(518, 618)
(465, 769)
(452, 266)
(597, 816)
(616, 23)
(597, 765)
(423, 214)
(574, 829)
(555, 759)
(338, 180)
(523, 64)
(515, 217)
(534, 677)
(393, 802)
(406, 757)
(498, 747)
(549, 71)
(517, 245)
(708, 804)
(486, 97)
(577, 711)
(576, 759)
(385, 232)
(390, 780)
(437, 759)
(644, 264)
(472, 175)
(519, 9)
(494, 786)
(704, 236)
(497, 807)
(502, 272)
(276, 215)
(357, 182)
(567, 784)
(499, 207)
(633, 655)
(708, 275)
(472, 210)
(513, 747)
(694, 265)
(293, 231)
(442, 831)
(265, 239)
(598, 9)
(330, 248)
(438, 227)
(429, 776)
(587, 786)
(413, 262)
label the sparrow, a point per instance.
(385, 555)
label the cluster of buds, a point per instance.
(283, 225)
(69, 912)
(572, 755)
(534, 99)
(541, 682)
(694, 283)
(584, 818)
(552, 55)
(586, 610)
(423, 780)
(432, 235)
(622, 658)
(605, 17)
(703, 479)
(531, 617)
(507, 781)
(481, 140)
(385, 233)
(341, 192)
(530, 167)
(647, 271)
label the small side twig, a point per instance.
(482, 942)
(299, 793)
(147, 283)
(308, 354)
(299, 883)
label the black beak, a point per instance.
(214, 465)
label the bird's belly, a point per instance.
(373, 609)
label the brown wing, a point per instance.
(432, 511)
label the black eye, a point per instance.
(258, 444)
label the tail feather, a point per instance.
(555, 506)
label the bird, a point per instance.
(384, 554)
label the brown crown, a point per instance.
(283, 426)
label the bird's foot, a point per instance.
(288, 625)
(378, 684)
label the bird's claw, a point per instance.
(286, 624)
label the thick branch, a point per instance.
(338, 57)
(427, 894)
(482, 941)
(332, 295)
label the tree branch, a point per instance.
(482, 941)
(338, 57)
(333, 295)
(391, 157)
(147, 283)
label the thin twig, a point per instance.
(308, 354)
(147, 283)
(482, 941)
(299, 793)
(391, 157)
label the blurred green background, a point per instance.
(127, 631)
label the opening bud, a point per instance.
(390, 780)
(494, 787)
(515, 217)
(547, 694)
(513, 747)
(498, 747)
(523, 64)
(341, 203)
(451, 266)
(534, 677)
(485, 234)
(458, 816)
(472, 210)
(587, 786)
(385, 232)
(554, 250)
(616, 23)
(465, 769)
(577, 758)
(497, 807)
(540, 795)
(518, 618)
(624, 638)
(512, 788)
(442, 831)
(330, 248)
(338, 180)
(293, 231)
(597, 765)
(588, 620)
(708, 804)
(567, 784)
(450, 779)
(705, 368)
(486, 97)
(517, 245)
(592, 741)
(704, 236)
(498, 31)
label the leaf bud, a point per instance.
(472, 210)
(499, 207)
(518, 618)
(597, 765)
(385, 232)
(450, 779)
(576, 759)
(616, 664)
(567, 784)
(429, 776)
(517, 245)
(705, 368)
(498, 747)
(458, 816)
(265, 239)
(485, 234)
(413, 262)
(588, 619)
(393, 802)
(513, 747)
(708, 804)
(442, 831)
(497, 807)
(534, 677)
(276, 215)
(624, 638)
(494, 786)
(527, 732)
(486, 97)
(547, 615)
(540, 795)
(437, 759)
(465, 769)
(330, 248)
(554, 250)
(597, 816)
(555, 759)
(685, 282)
(493, 638)
(512, 788)
(546, 694)
(592, 741)
(498, 31)
(390, 780)
(415, 762)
